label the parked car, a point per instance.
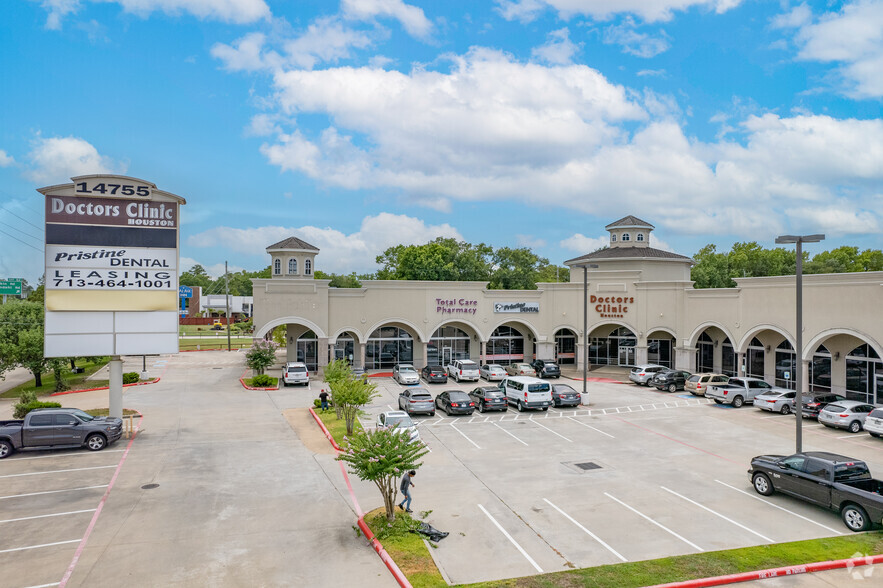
(546, 368)
(58, 428)
(455, 402)
(520, 369)
(641, 374)
(832, 481)
(492, 372)
(463, 369)
(564, 395)
(400, 421)
(812, 405)
(405, 374)
(417, 400)
(698, 383)
(775, 401)
(845, 414)
(435, 373)
(526, 392)
(671, 380)
(874, 423)
(738, 391)
(489, 398)
(295, 372)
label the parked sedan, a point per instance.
(671, 380)
(405, 374)
(874, 423)
(641, 374)
(813, 405)
(564, 395)
(455, 402)
(400, 421)
(775, 401)
(435, 373)
(489, 398)
(491, 372)
(845, 414)
(520, 369)
(546, 368)
(414, 400)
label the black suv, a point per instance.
(813, 405)
(546, 368)
(671, 380)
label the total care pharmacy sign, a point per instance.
(111, 267)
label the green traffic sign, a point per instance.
(11, 286)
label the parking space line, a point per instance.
(591, 427)
(846, 437)
(550, 430)
(660, 525)
(586, 531)
(750, 495)
(15, 459)
(511, 540)
(56, 471)
(53, 491)
(39, 546)
(464, 436)
(45, 585)
(510, 434)
(56, 514)
(741, 526)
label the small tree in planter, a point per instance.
(261, 356)
(349, 396)
(382, 456)
(337, 371)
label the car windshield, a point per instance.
(494, 366)
(564, 388)
(406, 369)
(82, 415)
(402, 421)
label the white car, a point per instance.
(405, 374)
(463, 369)
(295, 372)
(400, 421)
(491, 372)
(775, 401)
(874, 423)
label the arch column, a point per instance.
(322, 359)
(685, 359)
(740, 363)
(361, 356)
(482, 351)
(640, 354)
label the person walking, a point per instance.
(323, 399)
(405, 487)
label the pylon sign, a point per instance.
(111, 267)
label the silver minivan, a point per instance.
(526, 392)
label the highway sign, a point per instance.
(11, 286)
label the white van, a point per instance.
(526, 392)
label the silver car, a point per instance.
(775, 401)
(845, 414)
(491, 372)
(642, 374)
(405, 374)
(401, 422)
(874, 423)
(414, 400)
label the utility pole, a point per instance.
(227, 297)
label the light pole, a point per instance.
(586, 327)
(798, 380)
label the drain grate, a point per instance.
(149, 486)
(588, 465)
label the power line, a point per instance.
(20, 241)
(14, 228)
(22, 219)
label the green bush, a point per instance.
(27, 397)
(262, 381)
(318, 403)
(22, 409)
(131, 378)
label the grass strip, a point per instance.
(704, 565)
(335, 426)
(73, 381)
(97, 412)
(274, 383)
(406, 548)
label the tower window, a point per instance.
(277, 267)
(625, 237)
(613, 238)
(292, 266)
(308, 267)
(640, 237)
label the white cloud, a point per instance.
(647, 10)
(57, 10)
(558, 50)
(339, 252)
(246, 54)
(852, 37)
(530, 241)
(5, 159)
(633, 42)
(231, 11)
(57, 159)
(659, 73)
(582, 244)
(411, 17)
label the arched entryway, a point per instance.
(715, 353)
(660, 348)
(345, 347)
(454, 340)
(612, 345)
(387, 346)
(565, 346)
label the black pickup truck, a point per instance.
(829, 480)
(56, 428)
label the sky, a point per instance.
(357, 125)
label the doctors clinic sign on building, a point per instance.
(611, 306)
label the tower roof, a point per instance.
(292, 243)
(627, 253)
(629, 221)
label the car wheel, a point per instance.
(545, 408)
(855, 517)
(718, 401)
(786, 409)
(874, 434)
(447, 411)
(520, 406)
(672, 388)
(855, 427)
(432, 413)
(738, 402)
(95, 442)
(5, 449)
(480, 406)
(762, 484)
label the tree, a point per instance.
(350, 394)
(516, 269)
(342, 280)
(553, 273)
(712, 269)
(21, 338)
(443, 259)
(196, 277)
(382, 456)
(261, 356)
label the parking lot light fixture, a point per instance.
(586, 327)
(799, 240)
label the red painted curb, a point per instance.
(153, 381)
(776, 572)
(379, 375)
(325, 430)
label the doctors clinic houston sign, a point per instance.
(111, 267)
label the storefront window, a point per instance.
(505, 346)
(659, 351)
(307, 346)
(447, 343)
(728, 359)
(785, 365)
(755, 359)
(618, 348)
(388, 346)
(344, 348)
(565, 347)
(862, 367)
(705, 354)
(820, 370)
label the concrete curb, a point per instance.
(153, 381)
(776, 572)
(378, 547)
(247, 387)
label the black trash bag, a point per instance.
(430, 532)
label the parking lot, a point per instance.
(638, 474)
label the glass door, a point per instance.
(626, 356)
(446, 356)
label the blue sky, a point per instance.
(360, 124)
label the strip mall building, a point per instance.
(642, 308)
